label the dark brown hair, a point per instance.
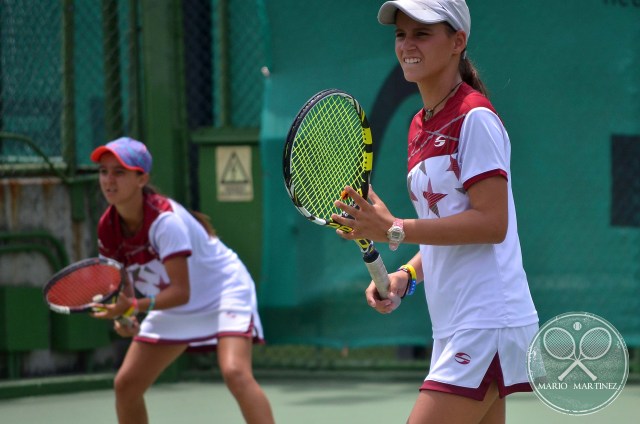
(470, 75)
(468, 71)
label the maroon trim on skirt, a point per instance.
(494, 373)
(204, 348)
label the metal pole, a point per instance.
(224, 81)
(135, 99)
(112, 78)
(68, 134)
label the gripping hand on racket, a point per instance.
(396, 289)
(368, 220)
(122, 312)
(129, 328)
(112, 310)
(371, 221)
(121, 309)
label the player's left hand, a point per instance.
(111, 310)
(384, 306)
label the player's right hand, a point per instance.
(124, 330)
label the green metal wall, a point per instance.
(564, 78)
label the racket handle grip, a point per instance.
(379, 274)
(124, 321)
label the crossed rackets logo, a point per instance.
(566, 357)
(561, 345)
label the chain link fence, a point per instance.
(68, 79)
(224, 55)
(30, 78)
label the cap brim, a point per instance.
(98, 152)
(387, 14)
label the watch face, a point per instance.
(395, 234)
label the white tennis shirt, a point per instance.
(467, 286)
(169, 230)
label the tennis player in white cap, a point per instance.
(459, 181)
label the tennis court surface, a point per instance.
(307, 400)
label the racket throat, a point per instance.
(369, 253)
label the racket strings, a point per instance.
(328, 155)
(80, 286)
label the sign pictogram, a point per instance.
(234, 181)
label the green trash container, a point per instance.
(79, 332)
(24, 324)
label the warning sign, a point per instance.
(233, 174)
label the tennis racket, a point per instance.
(329, 146)
(75, 288)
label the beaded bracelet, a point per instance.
(411, 284)
(152, 303)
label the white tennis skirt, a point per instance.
(468, 362)
(199, 330)
(231, 311)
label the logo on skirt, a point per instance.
(462, 358)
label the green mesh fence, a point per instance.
(67, 79)
(224, 54)
(30, 78)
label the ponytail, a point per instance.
(467, 70)
(470, 75)
(202, 218)
(205, 221)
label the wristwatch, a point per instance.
(395, 234)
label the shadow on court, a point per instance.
(299, 401)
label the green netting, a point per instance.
(568, 97)
(64, 63)
(225, 53)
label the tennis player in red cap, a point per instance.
(195, 292)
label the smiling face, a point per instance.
(428, 53)
(119, 185)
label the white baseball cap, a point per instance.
(455, 12)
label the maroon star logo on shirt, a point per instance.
(135, 276)
(161, 285)
(433, 199)
(454, 167)
(411, 195)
